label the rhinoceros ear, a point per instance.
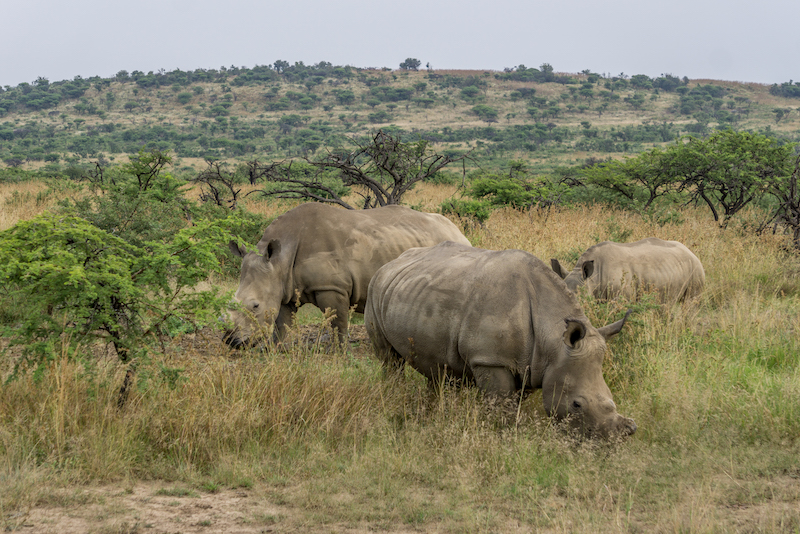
(613, 329)
(237, 250)
(273, 248)
(587, 268)
(575, 331)
(557, 268)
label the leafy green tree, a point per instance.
(287, 122)
(119, 265)
(730, 169)
(486, 113)
(640, 179)
(410, 64)
(780, 113)
(726, 172)
(547, 72)
(470, 93)
(345, 97)
(636, 100)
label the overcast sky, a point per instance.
(737, 40)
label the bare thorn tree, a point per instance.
(218, 185)
(380, 170)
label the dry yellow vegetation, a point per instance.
(317, 441)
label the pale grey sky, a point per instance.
(733, 40)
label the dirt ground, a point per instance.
(165, 508)
(156, 507)
(151, 507)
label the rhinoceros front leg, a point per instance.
(283, 322)
(495, 381)
(338, 304)
(499, 388)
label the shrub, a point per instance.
(479, 210)
(81, 283)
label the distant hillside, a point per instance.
(279, 111)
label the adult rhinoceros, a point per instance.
(502, 320)
(611, 269)
(325, 255)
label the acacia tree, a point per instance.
(380, 170)
(642, 178)
(726, 171)
(410, 64)
(787, 191)
(730, 169)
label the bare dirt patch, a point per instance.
(159, 507)
(152, 507)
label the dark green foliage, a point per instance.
(490, 191)
(380, 116)
(486, 113)
(410, 64)
(788, 89)
(467, 208)
(668, 82)
(385, 93)
(137, 201)
(514, 192)
(543, 74)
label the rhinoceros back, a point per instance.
(667, 267)
(458, 306)
(342, 249)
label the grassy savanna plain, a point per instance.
(314, 440)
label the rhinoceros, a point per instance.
(609, 270)
(325, 255)
(501, 320)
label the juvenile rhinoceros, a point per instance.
(611, 269)
(325, 255)
(502, 320)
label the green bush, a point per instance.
(81, 283)
(479, 210)
(119, 265)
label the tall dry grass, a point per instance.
(713, 385)
(23, 201)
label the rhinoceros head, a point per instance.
(576, 277)
(573, 387)
(260, 294)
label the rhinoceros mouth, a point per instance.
(234, 340)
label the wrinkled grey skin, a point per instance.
(502, 320)
(609, 270)
(325, 256)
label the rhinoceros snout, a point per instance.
(629, 427)
(232, 338)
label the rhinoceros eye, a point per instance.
(576, 405)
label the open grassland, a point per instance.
(318, 441)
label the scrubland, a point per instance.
(317, 440)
